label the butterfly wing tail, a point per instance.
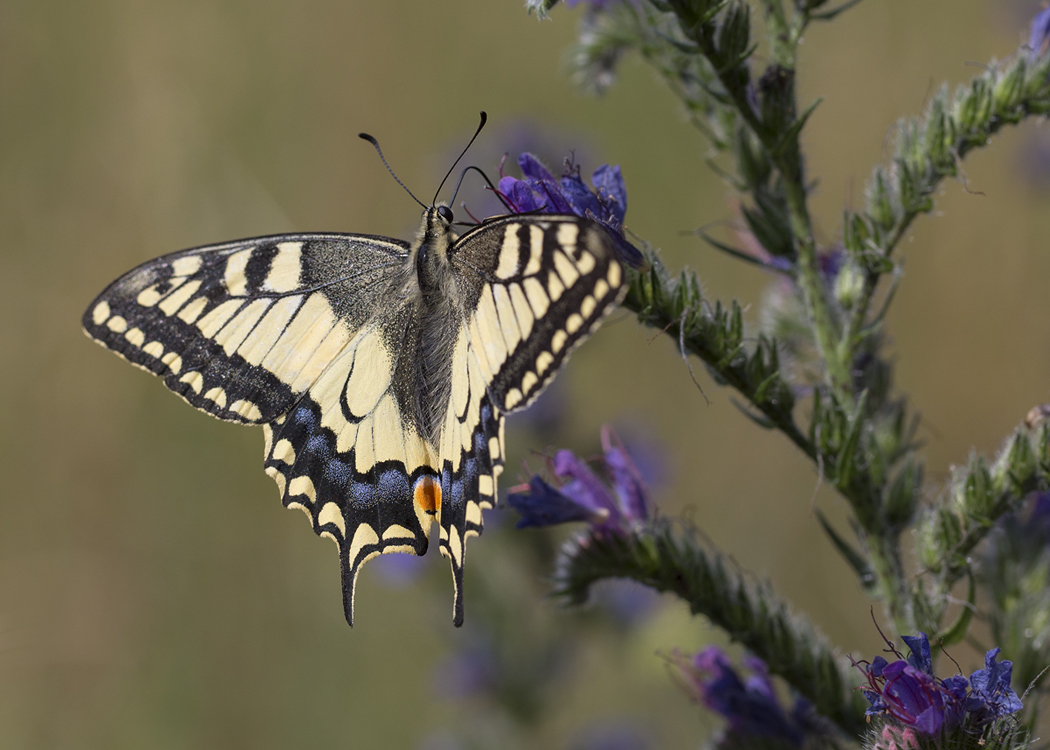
(366, 513)
(466, 492)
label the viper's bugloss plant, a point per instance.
(937, 557)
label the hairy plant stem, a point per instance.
(672, 558)
(884, 557)
(785, 153)
(835, 347)
(929, 167)
(814, 295)
(668, 306)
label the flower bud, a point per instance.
(849, 285)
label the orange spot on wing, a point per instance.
(427, 494)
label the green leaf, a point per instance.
(764, 422)
(740, 255)
(958, 629)
(856, 560)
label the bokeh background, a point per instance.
(153, 592)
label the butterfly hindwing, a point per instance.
(355, 458)
(240, 329)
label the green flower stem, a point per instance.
(677, 308)
(930, 149)
(784, 151)
(814, 293)
(674, 560)
(884, 556)
(783, 33)
(779, 33)
(979, 495)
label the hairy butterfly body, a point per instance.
(380, 370)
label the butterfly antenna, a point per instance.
(379, 151)
(488, 182)
(484, 119)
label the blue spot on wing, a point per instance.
(393, 483)
(338, 473)
(362, 496)
(318, 449)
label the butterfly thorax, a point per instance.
(425, 377)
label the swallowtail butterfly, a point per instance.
(380, 370)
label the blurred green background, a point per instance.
(154, 593)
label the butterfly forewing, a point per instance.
(542, 284)
(240, 330)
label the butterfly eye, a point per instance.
(445, 213)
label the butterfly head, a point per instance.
(432, 246)
(436, 233)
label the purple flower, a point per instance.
(831, 262)
(1040, 31)
(543, 505)
(920, 656)
(909, 693)
(606, 204)
(581, 496)
(750, 706)
(991, 695)
(594, 5)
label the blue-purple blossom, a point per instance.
(606, 203)
(750, 706)
(991, 695)
(909, 693)
(1040, 31)
(399, 571)
(580, 495)
(831, 262)
(594, 5)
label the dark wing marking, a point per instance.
(240, 329)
